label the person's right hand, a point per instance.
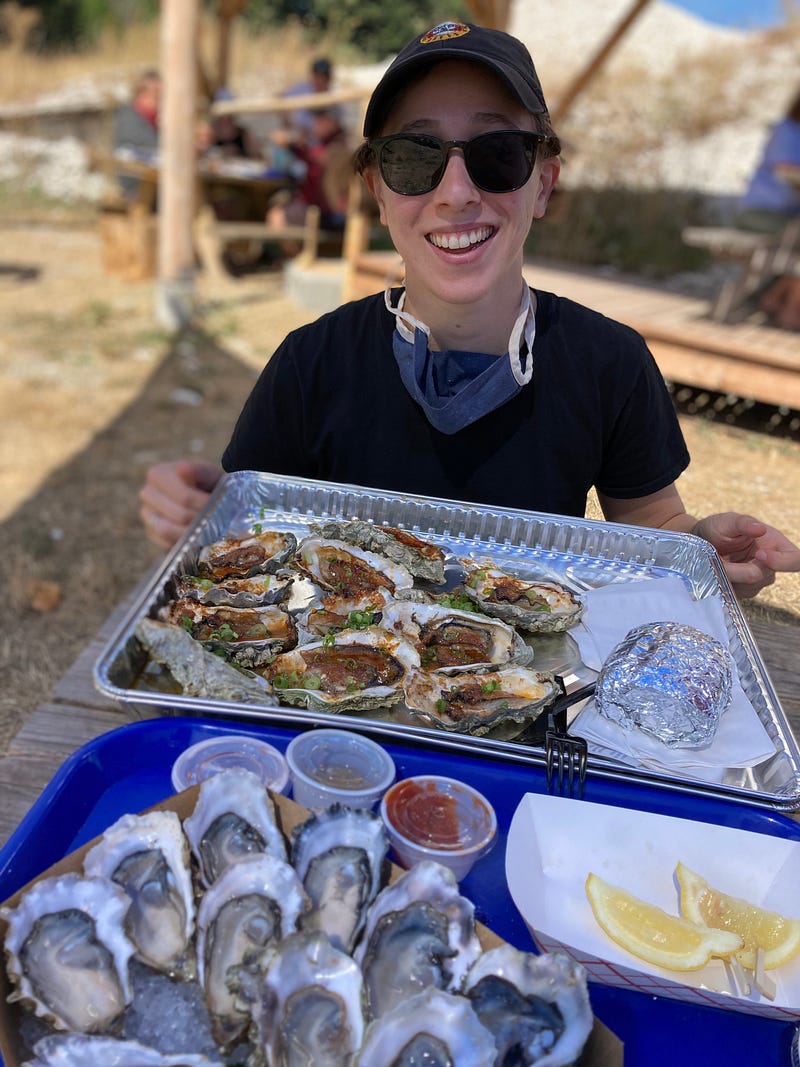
(173, 495)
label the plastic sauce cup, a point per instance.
(199, 762)
(338, 767)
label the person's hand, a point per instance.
(173, 495)
(751, 551)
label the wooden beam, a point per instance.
(277, 104)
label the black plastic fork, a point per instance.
(565, 756)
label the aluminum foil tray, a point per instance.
(578, 552)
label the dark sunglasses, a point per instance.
(498, 162)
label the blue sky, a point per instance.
(740, 14)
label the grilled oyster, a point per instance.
(250, 637)
(435, 1028)
(420, 932)
(353, 671)
(81, 1050)
(312, 1007)
(148, 856)
(474, 703)
(254, 904)
(450, 640)
(352, 578)
(316, 622)
(255, 592)
(338, 854)
(234, 817)
(242, 557)
(421, 558)
(536, 1006)
(67, 952)
(538, 607)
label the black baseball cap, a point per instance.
(499, 51)
(321, 66)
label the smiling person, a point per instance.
(466, 383)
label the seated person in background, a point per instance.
(318, 81)
(229, 138)
(136, 127)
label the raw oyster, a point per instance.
(449, 640)
(475, 703)
(255, 592)
(148, 856)
(352, 671)
(234, 817)
(242, 557)
(81, 1050)
(537, 1007)
(338, 854)
(535, 606)
(254, 904)
(352, 578)
(312, 1006)
(434, 1028)
(420, 932)
(423, 559)
(67, 952)
(197, 671)
(251, 637)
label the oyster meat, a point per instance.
(251, 637)
(474, 703)
(242, 557)
(312, 1006)
(317, 622)
(434, 1028)
(148, 856)
(352, 579)
(451, 640)
(535, 606)
(419, 932)
(82, 1050)
(352, 671)
(254, 904)
(67, 952)
(421, 558)
(537, 1007)
(234, 817)
(338, 854)
(255, 592)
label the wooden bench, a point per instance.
(761, 258)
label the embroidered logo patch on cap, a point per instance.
(444, 31)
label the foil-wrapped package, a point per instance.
(669, 680)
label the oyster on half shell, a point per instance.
(352, 578)
(254, 592)
(354, 670)
(81, 1050)
(250, 637)
(422, 558)
(473, 703)
(241, 557)
(535, 606)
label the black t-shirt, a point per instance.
(330, 405)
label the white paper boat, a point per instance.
(554, 843)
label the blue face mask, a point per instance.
(455, 389)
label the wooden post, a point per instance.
(174, 290)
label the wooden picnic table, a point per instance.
(78, 713)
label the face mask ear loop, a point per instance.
(526, 323)
(406, 323)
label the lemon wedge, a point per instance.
(652, 934)
(777, 936)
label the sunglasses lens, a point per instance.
(496, 162)
(412, 166)
(500, 162)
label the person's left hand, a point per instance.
(751, 551)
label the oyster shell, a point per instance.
(419, 932)
(234, 817)
(148, 856)
(434, 1028)
(535, 606)
(450, 640)
(536, 1006)
(254, 904)
(338, 854)
(475, 703)
(67, 952)
(352, 578)
(242, 557)
(251, 637)
(317, 622)
(312, 1006)
(255, 592)
(197, 671)
(421, 558)
(81, 1050)
(352, 671)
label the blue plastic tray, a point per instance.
(128, 770)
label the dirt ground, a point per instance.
(92, 393)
